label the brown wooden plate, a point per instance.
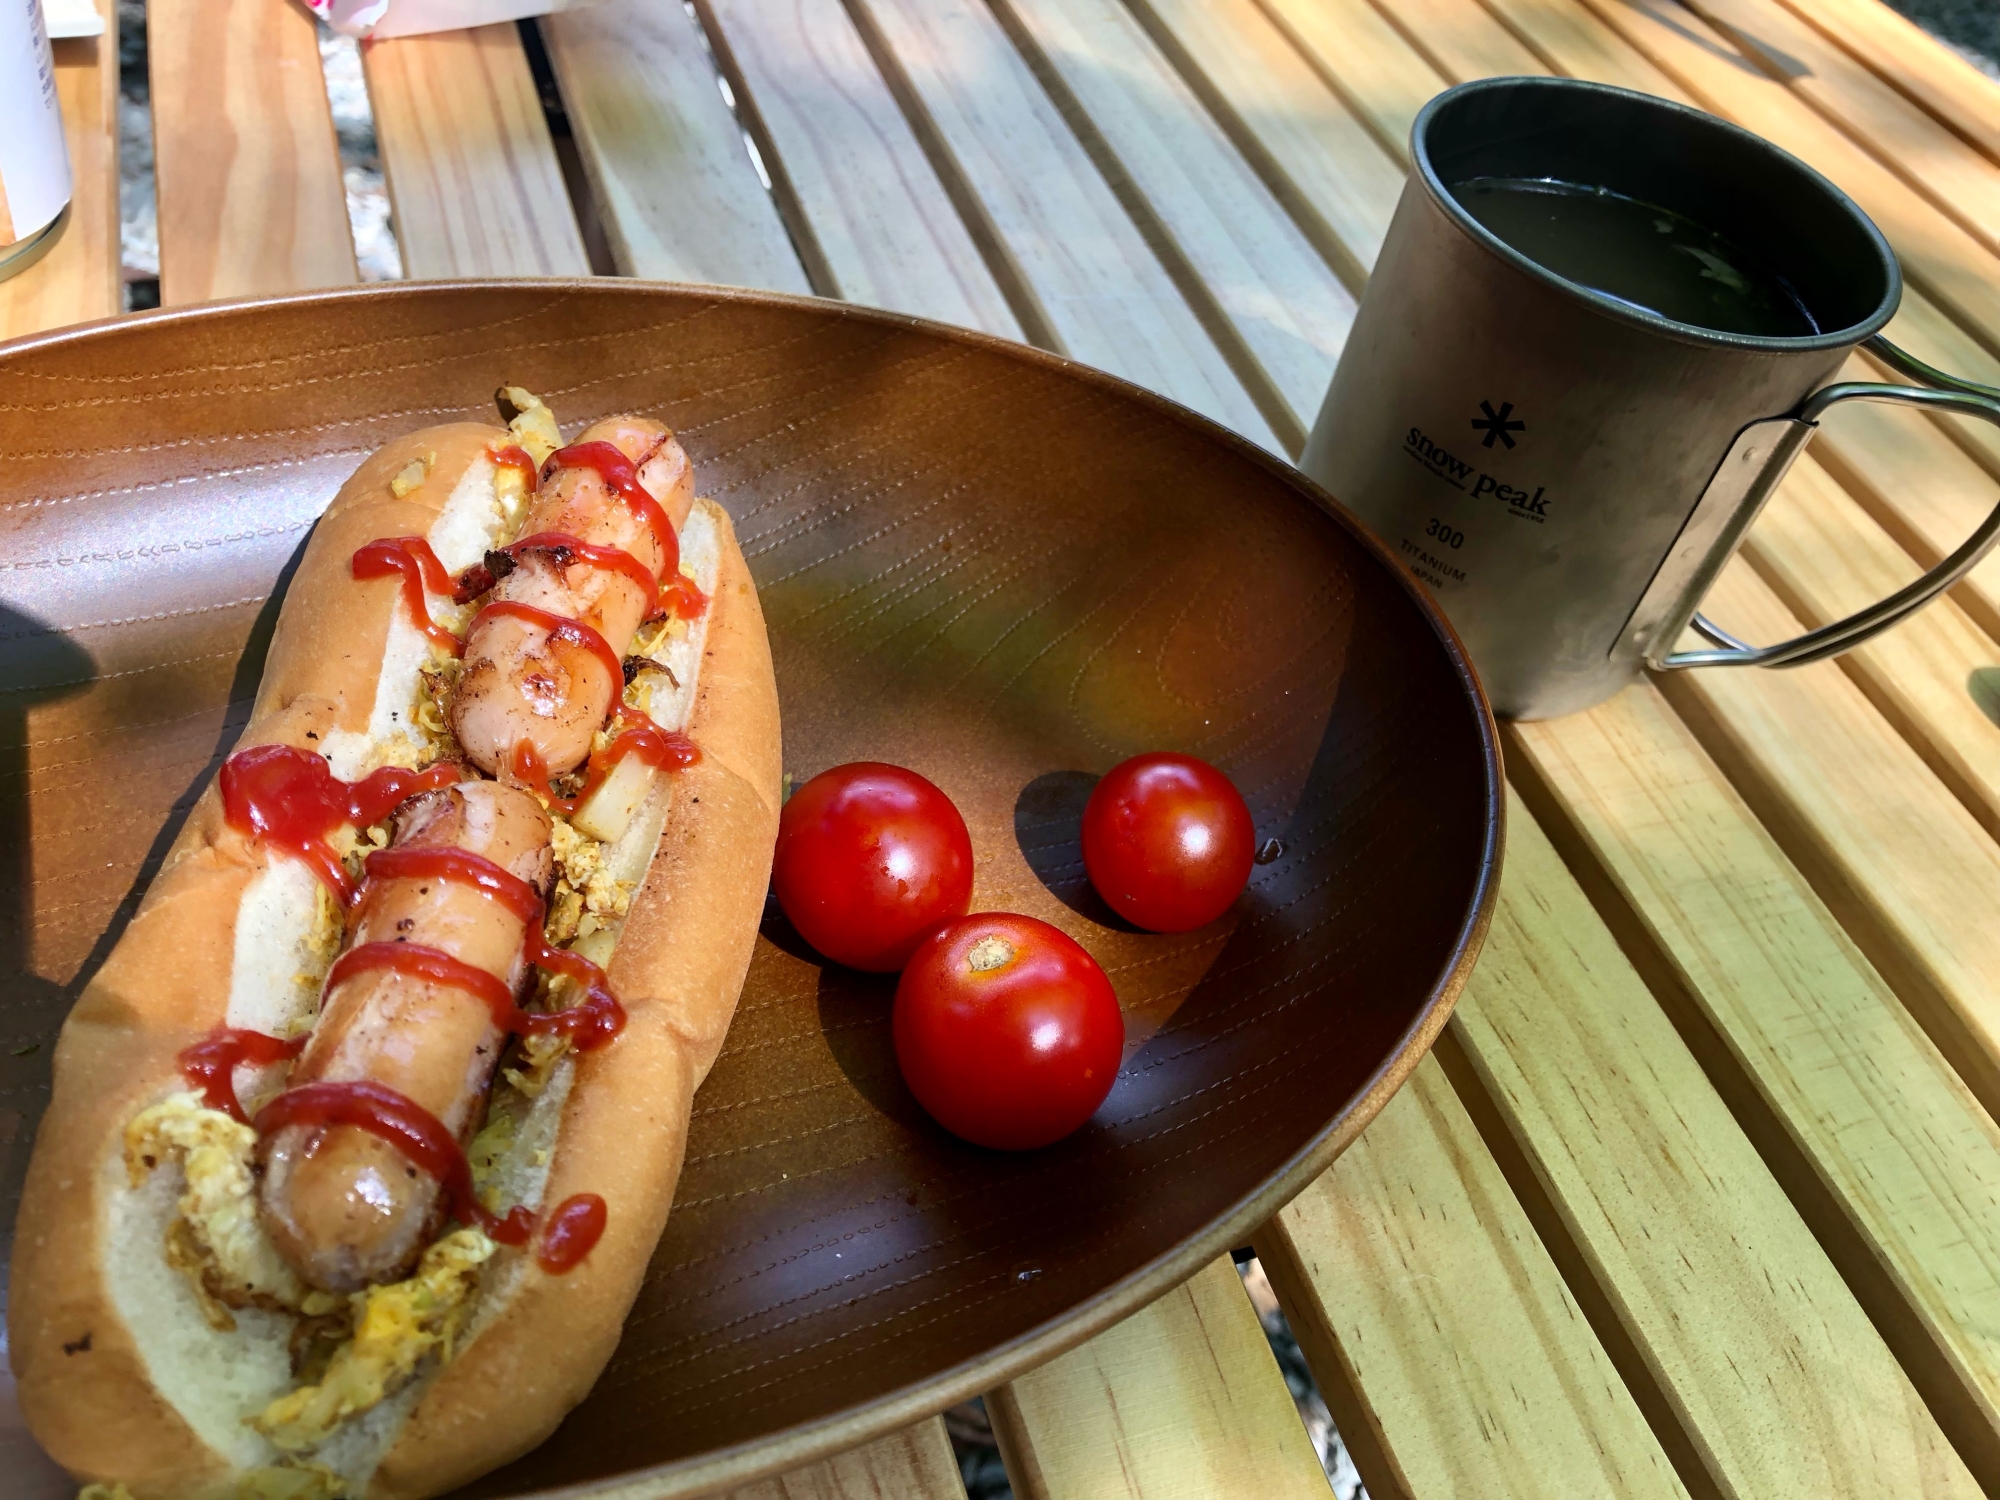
(977, 560)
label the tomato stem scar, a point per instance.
(989, 953)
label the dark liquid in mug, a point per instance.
(1649, 257)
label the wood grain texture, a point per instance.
(914, 1464)
(1571, 40)
(1915, 62)
(472, 172)
(1338, 181)
(1459, 38)
(672, 179)
(1452, 1356)
(77, 279)
(1181, 1401)
(1727, 1318)
(1259, 277)
(1934, 677)
(1871, 1132)
(848, 166)
(1364, 59)
(1099, 290)
(1927, 154)
(250, 194)
(1908, 871)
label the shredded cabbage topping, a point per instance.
(396, 1327)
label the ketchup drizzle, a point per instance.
(572, 1233)
(621, 477)
(210, 1064)
(588, 1025)
(412, 557)
(571, 632)
(412, 1130)
(662, 749)
(514, 456)
(290, 798)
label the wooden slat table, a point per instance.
(1700, 1193)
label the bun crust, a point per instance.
(537, 1341)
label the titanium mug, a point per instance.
(1567, 471)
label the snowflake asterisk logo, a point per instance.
(1496, 425)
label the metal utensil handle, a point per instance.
(1941, 392)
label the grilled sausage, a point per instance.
(345, 1207)
(523, 684)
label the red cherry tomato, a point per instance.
(1007, 1031)
(870, 858)
(1168, 841)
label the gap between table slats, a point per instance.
(1913, 62)
(1732, 1328)
(668, 168)
(1451, 1353)
(1577, 31)
(1887, 1157)
(1181, 1398)
(864, 202)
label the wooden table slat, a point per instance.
(1287, 311)
(1459, 38)
(472, 172)
(1914, 62)
(844, 155)
(1451, 1354)
(1938, 163)
(914, 1463)
(1181, 1401)
(672, 180)
(77, 279)
(1895, 1165)
(1907, 869)
(1574, 42)
(1366, 61)
(1825, 557)
(1925, 490)
(1313, 152)
(1099, 292)
(1758, 1370)
(251, 200)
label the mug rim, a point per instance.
(1631, 313)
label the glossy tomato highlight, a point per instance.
(870, 859)
(1168, 841)
(1007, 1031)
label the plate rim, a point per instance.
(822, 1437)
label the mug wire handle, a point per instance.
(1940, 392)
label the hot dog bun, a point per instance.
(122, 1375)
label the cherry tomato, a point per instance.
(1168, 841)
(870, 858)
(1007, 1031)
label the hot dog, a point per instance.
(378, 1104)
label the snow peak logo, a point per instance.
(1459, 473)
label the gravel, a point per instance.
(354, 125)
